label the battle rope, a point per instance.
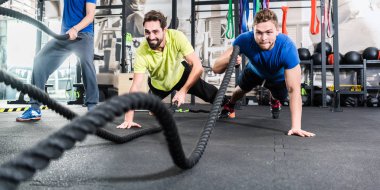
(26, 164)
(30, 20)
(3, 1)
(44, 98)
(36, 94)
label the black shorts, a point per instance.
(200, 89)
(248, 80)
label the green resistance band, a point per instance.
(230, 22)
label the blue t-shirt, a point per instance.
(73, 12)
(268, 64)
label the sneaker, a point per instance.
(90, 107)
(228, 111)
(275, 108)
(31, 114)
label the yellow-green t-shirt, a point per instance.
(165, 68)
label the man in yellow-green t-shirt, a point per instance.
(162, 55)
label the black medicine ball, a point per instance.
(353, 57)
(371, 53)
(317, 59)
(304, 54)
(318, 48)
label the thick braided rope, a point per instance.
(27, 163)
(44, 98)
(32, 21)
(195, 156)
(24, 166)
(36, 94)
(3, 1)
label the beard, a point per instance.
(154, 44)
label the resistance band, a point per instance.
(258, 6)
(266, 4)
(244, 15)
(255, 9)
(284, 15)
(330, 21)
(314, 29)
(230, 22)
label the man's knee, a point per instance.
(280, 95)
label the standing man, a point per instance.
(274, 61)
(161, 55)
(77, 21)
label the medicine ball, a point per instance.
(353, 57)
(330, 59)
(371, 53)
(304, 54)
(318, 48)
(317, 59)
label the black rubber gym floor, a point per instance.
(249, 152)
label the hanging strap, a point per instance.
(258, 5)
(241, 14)
(330, 21)
(244, 15)
(265, 4)
(284, 16)
(314, 29)
(230, 22)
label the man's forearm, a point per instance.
(295, 109)
(220, 65)
(84, 23)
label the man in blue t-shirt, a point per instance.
(77, 21)
(273, 60)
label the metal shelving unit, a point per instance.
(310, 86)
(371, 64)
(361, 80)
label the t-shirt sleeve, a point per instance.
(183, 44)
(291, 58)
(91, 1)
(140, 65)
(241, 41)
(238, 40)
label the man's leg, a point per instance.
(46, 62)
(228, 110)
(161, 94)
(279, 93)
(200, 89)
(84, 49)
(204, 91)
(247, 80)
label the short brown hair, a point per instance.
(155, 16)
(265, 15)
